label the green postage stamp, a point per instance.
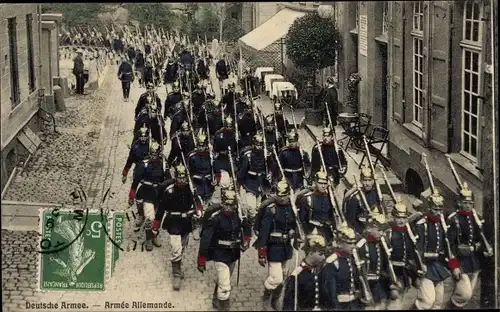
(75, 254)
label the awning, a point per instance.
(273, 29)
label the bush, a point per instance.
(76, 14)
(157, 14)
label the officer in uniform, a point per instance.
(341, 276)
(173, 98)
(148, 72)
(170, 71)
(139, 65)
(202, 68)
(222, 69)
(405, 259)
(438, 258)
(222, 242)
(201, 168)
(178, 207)
(138, 152)
(182, 142)
(294, 160)
(316, 209)
(150, 116)
(150, 174)
(334, 157)
(375, 253)
(228, 100)
(247, 126)
(306, 278)
(223, 139)
(276, 228)
(198, 98)
(254, 176)
(126, 76)
(354, 210)
(212, 113)
(148, 98)
(272, 137)
(465, 227)
(281, 122)
(178, 116)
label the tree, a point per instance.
(311, 43)
(157, 14)
(76, 14)
(208, 23)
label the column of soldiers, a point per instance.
(364, 250)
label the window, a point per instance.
(418, 75)
(385, 18)
(471, 79)
(418, 16)
(418, 62)
(14, 70)
(31, 64)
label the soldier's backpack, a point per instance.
(261, 210)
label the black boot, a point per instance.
(221, 305)
(140, 218)
(177, 275)
(155, 241)
(149, 238)
(275, 297)
(267, 294)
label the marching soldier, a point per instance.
(202, 68)
(150, 175)
(150, 116)
(433, 244)
(254, 175)
(201, 168)
(316, 210)
(228, 99)
(147, 98)
(182, 142)
(273, 137)
(170, 71)
(178, 207)
(405, 258)
(223, 139)
(305, 278)
(222, 69)
(148, 72)
(469, 244)
(247, 126)
(173, 98)
(211, 112)
(294, 161)
(248, 82)
(375, 253)
(139, 65)
(222, 242)
(138, 152)
(198, 98)
(276, 226)
(281, 122)
(126, 75)
(345, 285)
(179, 116)
(354, 210)
(334, 157)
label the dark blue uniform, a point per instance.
(154, 123)
(186, 58)
(281, 123)
(177, 120)
(465, 238)
(170, 102)
(200, 168)
(209, 111)
(376, 268)
(138, 152)
(309, 286)
(221, 236)
(223, 139)
(331, 157)
(276, 230)
(316, 210)
(402, 242)
(187, 145)
(222, 69)
(274, 140)
(247, 126)
(197, 99)
(150, 174)
(141, 103)
(293, 164)
(355, 211)
(171, 73)
(178, 206)
(252, 172)
(202, 69)
(340, 283)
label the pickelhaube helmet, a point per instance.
(210, 95)
(225, 180)
(321, 177)
(180, 172)
(228, 122)
(376, 219)
(176, 87)
(277, 107)
(283, 188)
(466, 193)
(327, 132)
(154, 147)
(231, 85)
(150, 86)
(292, 136)
(185, 126)
(202, 139)
(228, 196)
(143, 133)
(185, 95)
(400, 210)
(269, 121)
(366, 173)
(258, 139)
(315, 239)
(436, 199)
(346, 234)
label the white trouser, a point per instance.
(377, 306)
(178, 244)
(149, 211)
(223, 279)
(429, 296)
(464, 289)
(251, 202)
(276, 273)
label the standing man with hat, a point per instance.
(332, 103)
(78, 70)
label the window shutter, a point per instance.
(395, 54)
(440, 32)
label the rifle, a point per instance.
(335, 144)
(362, 195)
(377, 185)
(366, 293)
(292, 199)
(331, 192)
(190, 182)
(300, 148)
(210, 148)
(236, 124)
(429, 173)
(392, 273)
(265, 144)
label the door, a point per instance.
(384, 82)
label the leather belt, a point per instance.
(399, 263)
(255, 173)
(372, 277)
(201, 177)
(181, 214)
(279, 235)
(294, 170)
(226, 243)
(431, 255)
(346, 297)
(149, 183)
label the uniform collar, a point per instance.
(318, 193)
(398, 228)
(465, 213)
(433, 218)
(228, 130)
(371, 238)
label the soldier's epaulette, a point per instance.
(303, 193)
(351, 192)
(421, 221)
(333, 258)
(267, 202)
(218, 132)
(361, 243)
(453, 214)
(192, 153)
(170, 188)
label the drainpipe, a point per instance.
(428, 108)
(403, 70)
(39, 12)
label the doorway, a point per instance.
(384, 82)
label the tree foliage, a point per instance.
(157, 14)
(208, 21)
(312, 41)
(76, 14)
